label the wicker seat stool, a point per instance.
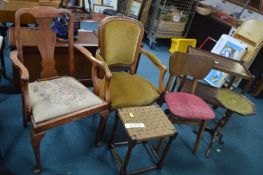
(156, 126)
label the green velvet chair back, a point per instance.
(119, 40)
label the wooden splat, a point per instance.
(46, 37)
(46, 41)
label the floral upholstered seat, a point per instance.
(57, 97)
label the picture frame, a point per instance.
(135, 8)
(230, 48)
(98, 2)
(113, 3)
(100, 8)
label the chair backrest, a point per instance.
(251, 33)
(120, 39)
(45, 37)
(186, 64)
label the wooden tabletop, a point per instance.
(95, 17)
(86, 38)
(227, 65)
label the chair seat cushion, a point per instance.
(54, 98)
(188, 106)
(235, 102)
(130, 90)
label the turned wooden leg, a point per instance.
(166, 150)
(35, 141)
(213, 139)
(114, 130)
(199, 136)
(102, 126)
(216, 131)
(24, 113)
(131, 145)
(3, 67)
(159, 147)
(221, 141)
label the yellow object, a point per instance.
(128, 90)
(131, 115)
(181, 44)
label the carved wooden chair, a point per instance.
(120, 39)
(52, 100)
(186, 107)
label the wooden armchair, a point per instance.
(52, 100)
(120, 39)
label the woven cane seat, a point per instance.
(235, 102)
(157, 125)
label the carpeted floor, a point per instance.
(70, 149)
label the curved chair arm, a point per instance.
(158, 64)
(22, 69)
(95, 65)
(24, 79)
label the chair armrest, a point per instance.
(159, 65)
(88, 55)
(22, 69)
(96, 63)
(24, 79)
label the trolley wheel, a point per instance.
(152, 45)
(152, 42)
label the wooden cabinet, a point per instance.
(32, 57)
(49, 2)
(8, 9)
(201, 28)
(256, 5)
